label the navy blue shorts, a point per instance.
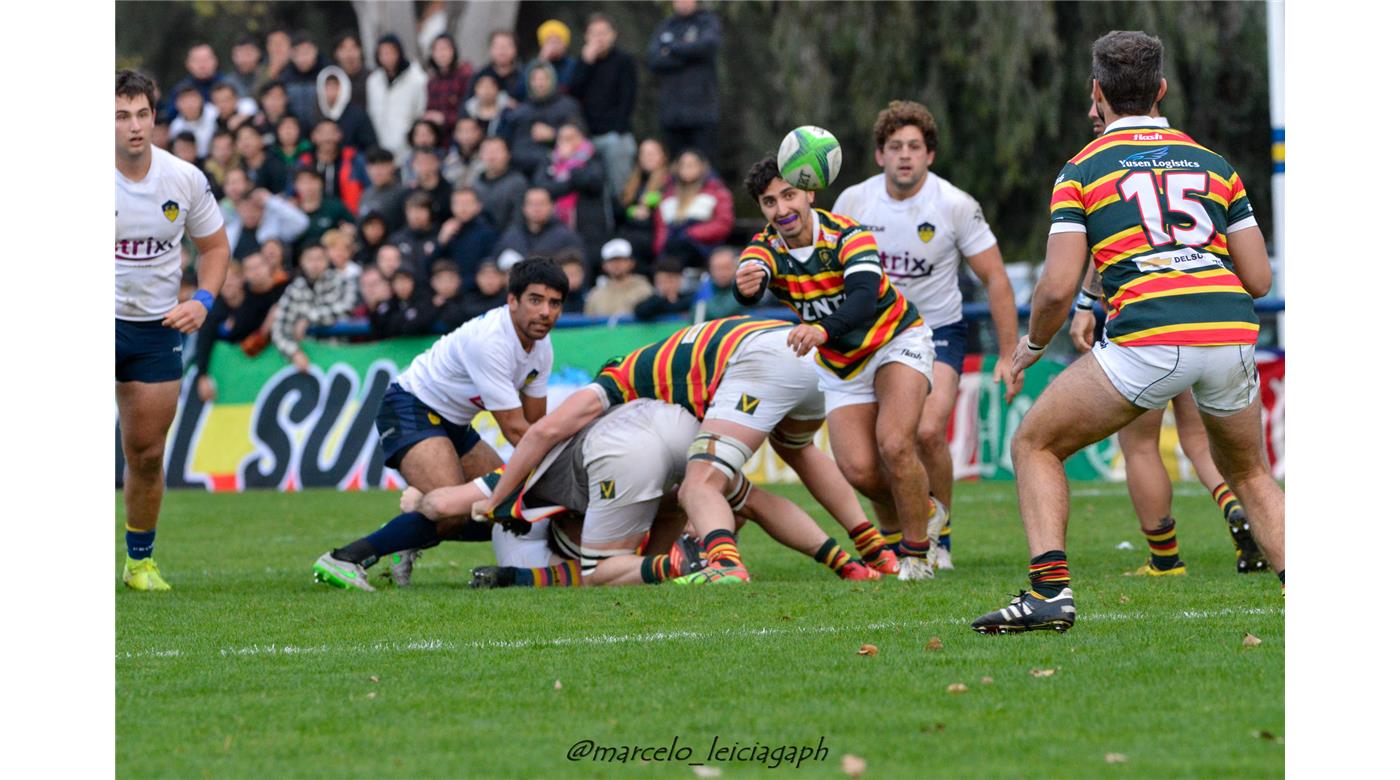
(950, 345)
(403, 421)
(148, 352)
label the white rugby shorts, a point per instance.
(765, 382)
(913, 348)
(1223, 379)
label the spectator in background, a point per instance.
(503, 66)
(242, 314)
(423, 133)
(272, 108)
(373, 232)
(462, 165)
(350, 58)
(537, 120)
(342, 169)
(324, 212)
(605, 85)
(385, 195)
(449, 306)
(682, 54)
(339, 247)
(375, 296)
(640, 197)
(274, 251)
(262, 217)
(334, 101)
(194, 115)
(202, 73)
(696, 212)
(248, 72)
(388, 261)
(449, 83)
(410, 311)
(620, 288)
(554, 37)
(668, 298)
(278, 45)
(417, 239)
(236, 187)
(489, 291)
(577, 180)
(715, 298)
(317, 298)
(466, 238)
(291, 144)
(300, 78)
(502, 187)
(427, 179)
(491, 107)
(267, 170)
(231, 111)
(538, 232)
(571, 261)
(398, 94)
(160, 133)
(222, 159)
(186, 148)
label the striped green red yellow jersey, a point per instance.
(685, 367)
(1158, 208)
(815, 287)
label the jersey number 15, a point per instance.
(1141, 187)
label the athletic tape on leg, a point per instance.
(725, 453)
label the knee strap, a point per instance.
(725, 453)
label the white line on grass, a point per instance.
(433, 645)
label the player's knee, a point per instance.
(932, 439)
(145, 459)
(864, 476)
(895, 449)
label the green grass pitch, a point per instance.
(248, 669)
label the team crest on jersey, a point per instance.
(530, 377)
(170, 209)
(926, 231)
(747, 404)
(607, 488)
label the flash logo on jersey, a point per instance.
(170, 209)
(747, 404)
(607, 488)
(926, 232)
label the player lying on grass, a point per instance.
(500, 363)
(739, 378)
(1181, 256)
(875, 359)
(615, 474)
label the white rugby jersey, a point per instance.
(480, 366)
(922, 239)
(152, 217)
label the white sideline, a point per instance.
(431, 645)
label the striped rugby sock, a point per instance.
(945, 537)
(832, 556)
(892, 539)
(868, 541)
(1225, 498)
(561, 575)
(657, 569)
(721, 549)
(1049, 573)
(1162, 544)
(909, 548)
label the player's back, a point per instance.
(1157, 209)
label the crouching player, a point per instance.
(739, 378)
(500, 363)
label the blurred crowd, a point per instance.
(368, 186)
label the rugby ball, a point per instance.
(809, 158)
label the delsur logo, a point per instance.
(1154, 158)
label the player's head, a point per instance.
(1127, 72)
(787, 209)
(136, 115)
(1095, 116)
(535, 295)
(906, 139)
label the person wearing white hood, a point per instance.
(334, 94)
(398, 94)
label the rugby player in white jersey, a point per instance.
(498, 362)
(925, 226)
(159, 198)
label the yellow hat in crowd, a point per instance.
(553, 27)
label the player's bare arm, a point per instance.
(512, 423)
(1251, 259)
(213, 264)
(1065, 255)
(577, 411)
(989, 267)
(1081, 327)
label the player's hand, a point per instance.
(803, 337)
(301, 361)
(1081, 330)
(481, 509)
(1002, 373)
(749, 280)
(205, 387)
(187, 317)
(299, 329)
(1023, 359)
(410, 499)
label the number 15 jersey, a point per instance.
(1158, 209)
